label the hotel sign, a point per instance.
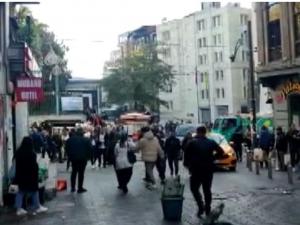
(29, 89)
(286, 89)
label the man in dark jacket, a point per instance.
(199, 158)
(173, 149)
(79, 150)
(266, 142)
(281, 147)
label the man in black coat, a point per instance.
(79, 150)
(199, 158)
(173, 148)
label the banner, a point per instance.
(29, 89)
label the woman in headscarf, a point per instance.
(27, 177)
(122, 165)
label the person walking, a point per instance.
(265, 143)
(151, 150)
(95, 154)
(27, 177)
(103, 148)
(199, 159)
(281, 145)
(238, 140)
(58, 145)
(122, 164)
(294, 145)
(79, 150)
(161, 162)
(173, 149)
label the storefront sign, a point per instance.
(29, 90)
(286, 89)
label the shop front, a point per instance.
(285, 92)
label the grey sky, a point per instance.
(90, 21)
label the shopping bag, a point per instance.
(13, 189)
(287, 159)
(61, 184)
(258, 154)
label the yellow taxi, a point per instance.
(229, 163)
(231, 160)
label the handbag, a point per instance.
(131, 157)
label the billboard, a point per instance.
(71, 103)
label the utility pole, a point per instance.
(252, 82)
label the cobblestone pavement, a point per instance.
(249, 200)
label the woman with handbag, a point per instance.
(124, 160)
(27, 177)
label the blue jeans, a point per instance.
(34, 196)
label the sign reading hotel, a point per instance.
(286, 89)
(29, 89)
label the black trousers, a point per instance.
(124, 176)
(161, 168)
(205, 179)
(78, 167)
(173, 162)
(295, 157)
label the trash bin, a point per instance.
(172, 199)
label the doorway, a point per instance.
(294, 110)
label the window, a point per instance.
(216, 21)
(245, 71)
(243, 19)
(207, 93)
(166, 35)
(203, 94)
(200, 60)
(215, 40)
(201, 25)
(221, 56)
(216, 57)
(221, 75)
(171, 105)
(219, 39)
(218, 92)
(205, 59)
(274, 32)
(217, 75)
(245, 92)
(223, 93)
(202, 77)
(199, 43)
(204, 42)
(297, 27)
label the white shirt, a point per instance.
(121, 155)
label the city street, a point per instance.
(249, 200)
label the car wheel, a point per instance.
(233, 169)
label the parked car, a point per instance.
(182, 130)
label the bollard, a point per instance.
(290, 174)
(270, 169)
(257, 167)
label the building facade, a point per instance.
(207, 83)
(278, 34)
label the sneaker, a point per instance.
(73, 190)
(21, 212)
(41, 209)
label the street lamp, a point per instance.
(251, 74)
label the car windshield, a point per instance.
(220, 139)
(181, 131)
